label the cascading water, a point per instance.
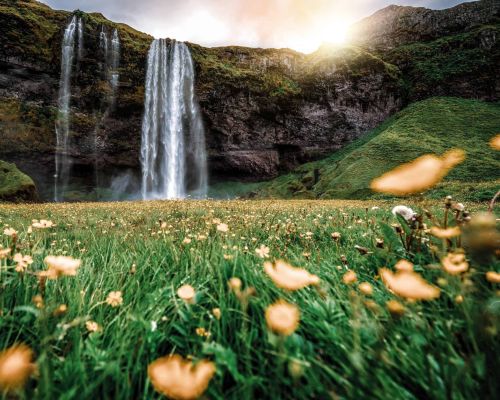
(110, 48)
(173, 155)
(114, 63)
(62, 161)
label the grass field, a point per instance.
(347, 344)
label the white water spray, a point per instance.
(173, 155)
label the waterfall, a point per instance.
(173, 155)
(114, 63)
(80, 39)
(111, 55)
(110, 47)
(62, 162)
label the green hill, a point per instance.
(430, 126)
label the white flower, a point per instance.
(406, 212)
(154, 326)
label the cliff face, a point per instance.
(394, 26)
(265, 110)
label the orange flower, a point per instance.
(115, 299)
(262, 251)
(16, 366)
(290, 278)
(4, 253)
(60, 266)
(366, 288)
(42, 224)
(22, 262)
(418, 175)
(216, 313)
(409, 284)
(445, 233)
(282, 318)
(404, 265)
(235, 284)
(395, 308)
(186, 293)
(349, 277)
(493, 277)
(455, 263)
(495, 142)
(222, 228)
(92, 326)
(179, 379)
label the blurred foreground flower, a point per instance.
(418, 175)
(455, 263)
(290, 278)
(16, 366)
(495, 142)
(493, 277)
(115, 299)
(349, 277)
(180, 379)
(60, 266)
(366, 288)
(395, 308)
(186, 293)
(282, 318)
(403, 265)
(409, 284)
(447, 233)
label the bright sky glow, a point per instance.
(302, 25)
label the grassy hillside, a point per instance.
(430, 126)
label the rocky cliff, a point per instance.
(265, 110)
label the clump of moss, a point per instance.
(15, 186)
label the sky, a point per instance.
(302, 25)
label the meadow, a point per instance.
(347, 333)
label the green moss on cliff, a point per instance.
(26, 127)
(430, 126)
(28, 29)
(14, 185)
(282, 72)
(441, 65)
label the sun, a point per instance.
(324, 30)
(335, 32)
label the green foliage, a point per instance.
(433, 67)
(14, 185)
(430, 126)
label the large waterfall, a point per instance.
(173, 155)
(62, 160)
